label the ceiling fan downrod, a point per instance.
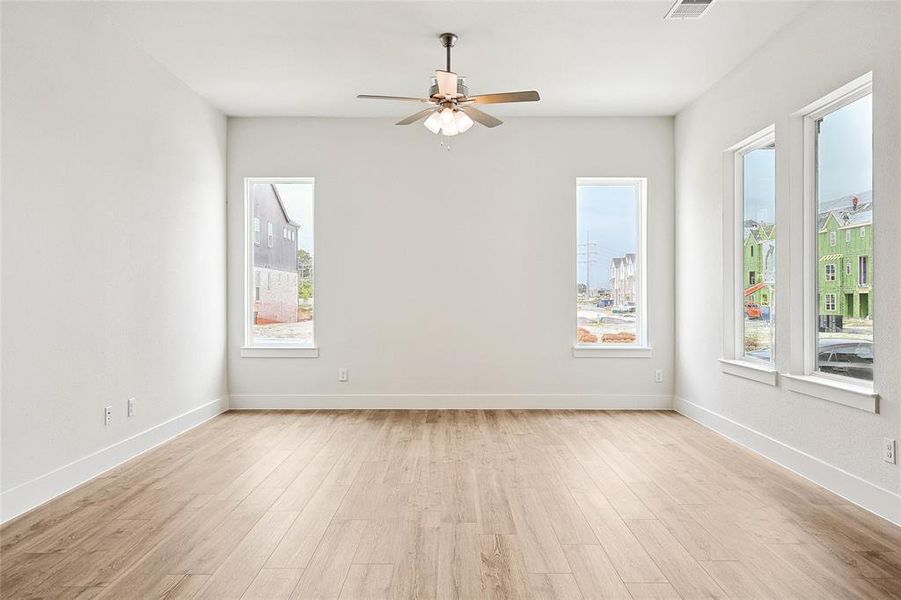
(448, 40)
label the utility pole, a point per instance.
(587, 254)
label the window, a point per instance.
(754, 163)
(280, 297)
(610, 285)
(839, 144)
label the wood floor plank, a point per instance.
(238, 571)
(628, 556)
(367, 582)
(296, 547)
(594, 573)
(677, 565)
(540, 547)
(272, 584)
(449, 504)
(503, 569)
(459, 563)
(554, 586)
(324, 576)
(653, 591)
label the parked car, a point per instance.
(753, 310)
(851, 358)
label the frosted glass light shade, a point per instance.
(433, 123)
(464, 122)
(448, 122)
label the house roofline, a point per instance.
(281, 205)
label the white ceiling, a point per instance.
(312, 58)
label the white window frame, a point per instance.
(271, 350)
(269, 234)
(827, 303)
(848, 236)
(641, 348)
(826, 272)
(734, 360)
(833, 239)
(257, 231)
(804, 378)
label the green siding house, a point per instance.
(758, 267)
(845, 266)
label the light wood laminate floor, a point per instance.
(450, 504)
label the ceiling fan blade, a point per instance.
(398, 98)
(481, 117)
(529, 96)
(417, 116)
(447, 83)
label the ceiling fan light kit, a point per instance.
(451, 109)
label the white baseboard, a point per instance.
(452, 401)
(31, 494)
(885, 503)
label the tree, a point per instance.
(304, 275)
(304, 264)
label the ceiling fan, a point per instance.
(451, 109)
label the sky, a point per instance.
(298, 199)
(760, 185)
(845, 151)
(845, 148)
(606, 216)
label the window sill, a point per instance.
(612, 352)
(855, 395)
(760, 372)
(277, 352)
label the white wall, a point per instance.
(113, 233)
(447, 278)
(840, 447)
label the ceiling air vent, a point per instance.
(688, 9)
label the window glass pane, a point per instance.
(607, 256)
(283, 304)
(844, 184)
(759, 252)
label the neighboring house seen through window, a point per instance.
(840, 136)
(280, 303)
(610, 308)
(755, 247)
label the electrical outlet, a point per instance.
(108, 415)
(658, 376)
(342, 374)
(131, 407)
(888, 450)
